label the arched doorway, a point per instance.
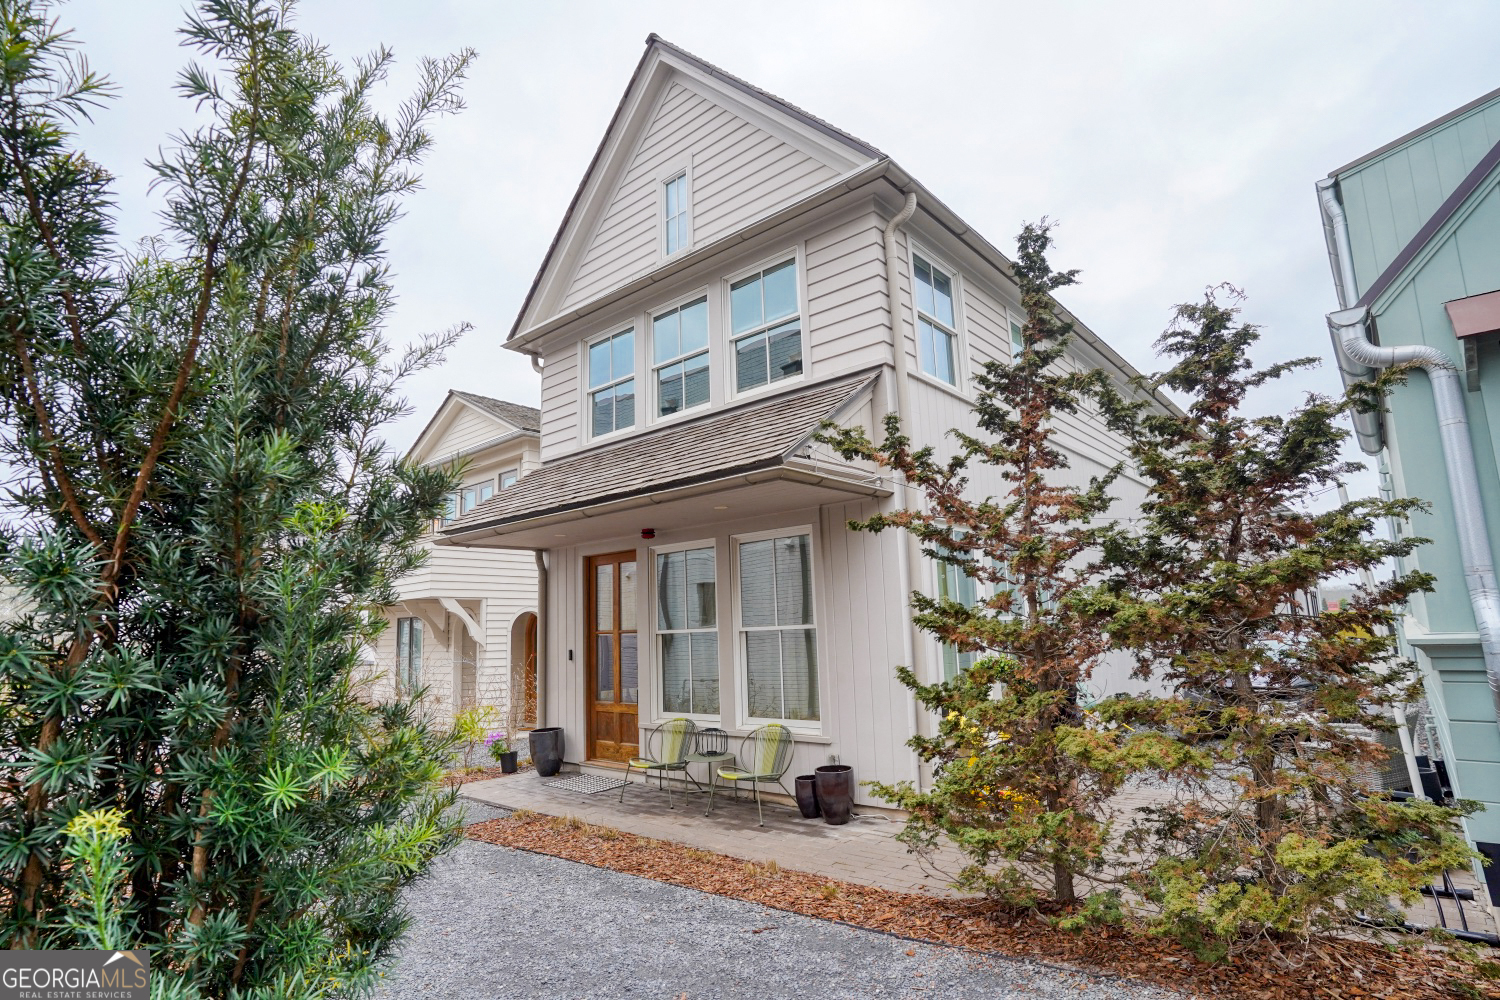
(523, 671)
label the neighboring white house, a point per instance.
(720, 286)
(466, 625)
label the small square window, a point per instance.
(509, 477)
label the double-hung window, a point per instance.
(409, 653)
(687, 630)
(509, 477)
(937, 333)
(679, 344)
(477, 494)
(778, 640)
(765, 327)
(612, 383)
(1017, 339)
(675, 214)
(958, 586)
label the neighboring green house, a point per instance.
(1413, 233)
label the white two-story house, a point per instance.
(731, 273)
(465, 628)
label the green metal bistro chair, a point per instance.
(667, 749)
(767, 753)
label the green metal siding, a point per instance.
(1387, 199)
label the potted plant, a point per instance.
(834, 784)
(499, 744)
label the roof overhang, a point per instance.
(766, 490)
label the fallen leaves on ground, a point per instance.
(1335, 970)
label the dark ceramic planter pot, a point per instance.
(508, 762)
(835, 787)
(547, 750)
(807, 796)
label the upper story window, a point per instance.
(679, 344)
(509, 477)
(450, 508)
(1017, 339)
(477, 494)
(612, 383)
(766, 328)
(675, 210)
(937, 333)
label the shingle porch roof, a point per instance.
(723, 444)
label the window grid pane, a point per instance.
(767, 299)
(779, 642)
(937, 343)
(686, 615)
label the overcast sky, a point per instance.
(1176, 143)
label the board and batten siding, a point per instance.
(848, 325)
(859, 615)
(1388, 199)
(738, 173)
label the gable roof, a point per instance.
(1416, 133)
(656, 45)
(525, 418)
(746, 438)
(521, 420)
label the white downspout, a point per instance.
(1350, 326)
(543, 617)
(903, 409)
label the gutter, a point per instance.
(1350, 329)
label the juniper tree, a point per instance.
(1021, 773)
(1271, 705)
(202, 514)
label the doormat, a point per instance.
(588, 784)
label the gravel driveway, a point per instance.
(492, 922)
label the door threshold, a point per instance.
(609, 765)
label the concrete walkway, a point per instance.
(863, 851)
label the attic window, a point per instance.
(675, 214)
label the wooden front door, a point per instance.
(613, 687)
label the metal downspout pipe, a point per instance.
(543, 619)
(903, 409)
(1350, 326)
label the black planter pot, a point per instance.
(547, 750)
(835, 787)
(807, 796)
(508, 762)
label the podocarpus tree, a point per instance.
(1273, 705)
(1020, 772)
(203, 516)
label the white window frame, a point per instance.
(1017, 338)
(658, 700)
(683, 171)
(409, 671)
(805, 727)
(474, 488)
(731, 355)
(587, 403)
(513, 474)
(656, 416)
(960, 381)
(454, 510)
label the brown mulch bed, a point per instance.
(1332, 970)
(463, 777)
